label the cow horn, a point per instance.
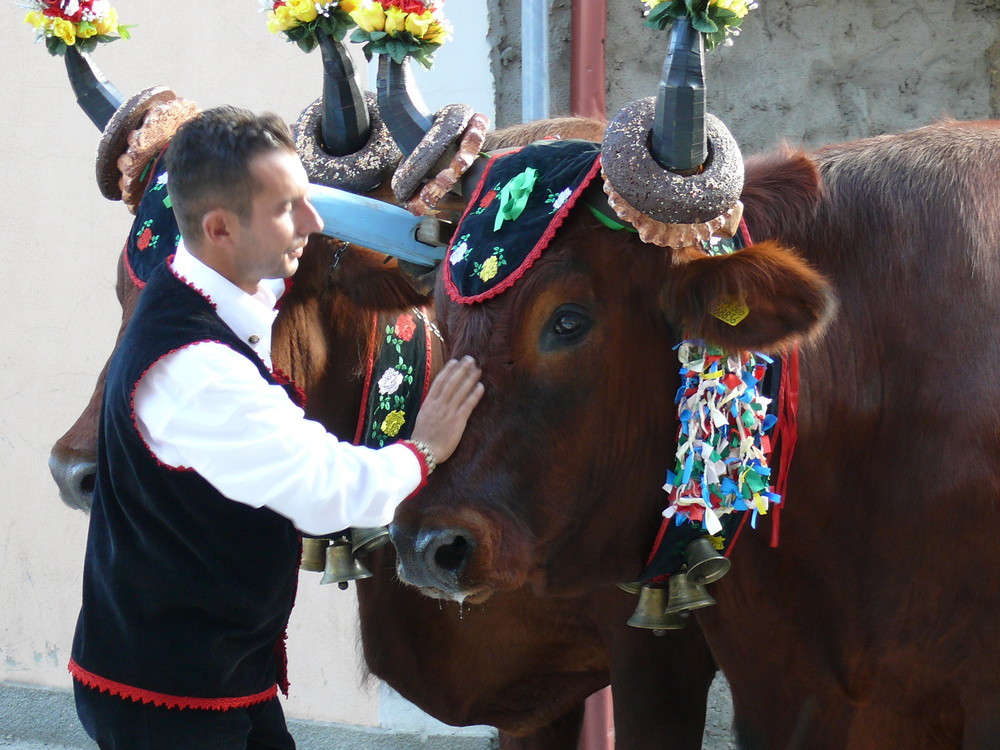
(94, 93)
(345, 124)
(671, 169)
(402, 106)
(678, 139)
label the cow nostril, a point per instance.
(452, 556)
(87, 482)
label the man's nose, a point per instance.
(312, 222)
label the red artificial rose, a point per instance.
(405, 326)
(487, 198)
(144, 239)
(407, 6)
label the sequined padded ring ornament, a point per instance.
(114, 140)
(666, 197)
(160, 125)
(468, 151)
(358, 172)
(450, 123)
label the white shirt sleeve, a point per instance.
(207, 408)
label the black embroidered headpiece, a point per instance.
(521, 201)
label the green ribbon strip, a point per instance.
(514, 197)
(611, 223)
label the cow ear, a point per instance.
(762, 298)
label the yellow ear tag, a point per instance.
(730, 309)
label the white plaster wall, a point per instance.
(59, 241)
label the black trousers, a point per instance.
(119, 724)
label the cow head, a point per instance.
(558, 477)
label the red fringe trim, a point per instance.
(91, 680)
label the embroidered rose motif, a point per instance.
(459, 252)
(393, 422)
(485, 201)
(405, 326)
(390, 381)
(144, 239)
(490, 268)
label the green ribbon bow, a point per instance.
(514, 196)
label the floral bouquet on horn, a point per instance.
(401, 29)
(73, 23)
(301, 21)
(718, 20)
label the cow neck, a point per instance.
(736, 412)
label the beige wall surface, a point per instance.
(59, 243)
(810, 72)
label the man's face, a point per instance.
(270, 246)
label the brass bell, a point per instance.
(630, 587)
(341, 566)
(650, 615)
(685, 595)
(704, 564)
(314, 554)
(364, 541)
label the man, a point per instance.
(206, 468)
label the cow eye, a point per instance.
(568, 325)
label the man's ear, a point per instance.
(218, 226)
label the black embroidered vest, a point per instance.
(186, 594)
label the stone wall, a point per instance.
(806, 71)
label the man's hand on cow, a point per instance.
(452, 396)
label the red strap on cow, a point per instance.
(786, 432)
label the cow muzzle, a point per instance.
(435, 560)
(74, 473)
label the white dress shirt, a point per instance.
(206, 407)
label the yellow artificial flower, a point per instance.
(652, 3)
(280, 19)
(369, 17)
(393, 422)
(419, 25)
(65, 30)
(108, 24)
(348, 6)
(489, 269)
(395, 21)
(303, 10)
(438, 33)
(36, 18)
(738, 7)
(85, 31)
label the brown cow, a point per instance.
(872, 624)
(523, 664)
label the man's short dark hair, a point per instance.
(208, 163)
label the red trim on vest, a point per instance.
(170, 265)
(423, 467)
(91, 680)
(283, 378)
(135, 386)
